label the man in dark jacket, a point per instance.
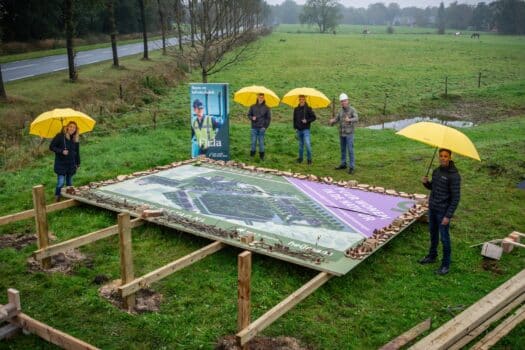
(443, 201)
(260, 116)
(303, 116)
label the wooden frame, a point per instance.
(20, 320)
(249, 332)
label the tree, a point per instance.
(377, 13)
(441, 19)
(393, 11)
(509, 16)
(3, 94)
(481, 17)
(287, 12)
(179, 16)
(162, 26)
(112, 31)
(458, 16)
(144, 31)
(323, 13)
(68, 19)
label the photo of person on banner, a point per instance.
(204, 129)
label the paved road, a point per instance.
(37, 66)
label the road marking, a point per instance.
(58, 60)
(56, 70)
(13, 68)
(91, 62)
(23, 77)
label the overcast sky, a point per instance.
(402, 3)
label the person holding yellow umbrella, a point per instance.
(445, 186)
(259, 99)
(65, 125)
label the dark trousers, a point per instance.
(438, 230)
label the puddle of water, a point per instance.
(400, 124)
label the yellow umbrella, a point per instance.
(50, 123)
(247, 96)
(441, 136)
(314, 98)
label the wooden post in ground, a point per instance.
(126, 257)
(244, 266)
(479, 79)
(446, 86)
(39, 202)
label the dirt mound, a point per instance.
(146, 300)
(16, 240)
(62, 262)
(262, 343)
(492, 266)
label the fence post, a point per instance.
(244, 266)
(479, 79)
(126, 257)
(446, 86)
(39, 202)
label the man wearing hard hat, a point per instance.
(346, 119)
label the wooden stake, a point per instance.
(408, 336)
(39, 202)
(126, 257)
(244, 267)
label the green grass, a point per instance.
(380, 299)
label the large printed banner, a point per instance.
(304, 222)
(209, 121)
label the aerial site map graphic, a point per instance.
(296, 213)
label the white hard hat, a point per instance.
(343, 97)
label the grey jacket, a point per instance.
(346, 125)
(262, 114)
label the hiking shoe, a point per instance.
(427, 260)
(350, 170)
(340, 167)
(299, 160)
(443, 270)
(252, 153)
(309, 161)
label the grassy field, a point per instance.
(381, 298)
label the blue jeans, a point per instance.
(257, 135)
(304, 140)
(436, 231)
(347, 143)
(61, 179)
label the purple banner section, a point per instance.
(363, 211)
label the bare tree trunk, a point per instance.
(68, 19)
(113, 31)
(192, 22)
(162, 27)
(3, 95)
(144, 32)
(179, 15)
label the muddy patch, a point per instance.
(17, 240)
(146, 300)
(492, 266)
(262, 343)
(62, 262)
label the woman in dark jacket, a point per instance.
(67, 156)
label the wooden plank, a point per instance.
(482, 327)
(39, 202)
(8, 330)
(278, 310)
(146, 280)
(408, 336)
(82, 240)
(126, 256)
(455, 329)
(7, 219)
(244, 270)
(501, 330)
(50, 334)
(14, 298)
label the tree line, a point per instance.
(502, 16)
(210, 27)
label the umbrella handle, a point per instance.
(431, 161)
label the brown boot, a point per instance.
(57, 199)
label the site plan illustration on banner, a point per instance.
(298, 214)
